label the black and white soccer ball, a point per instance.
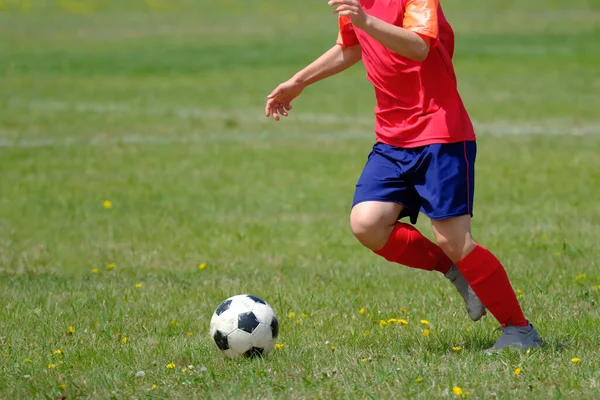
(244, 325)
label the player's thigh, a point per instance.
(446, 186)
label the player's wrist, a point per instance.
(299, 80)
(367, 23)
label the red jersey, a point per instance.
(417, 102)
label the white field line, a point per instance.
(364, 125)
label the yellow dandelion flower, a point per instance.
(170, 365)
(298, 322)
(27, 360)
(425, 322)
(457, 391)
(138, 285)
(575, 360)
(403, 322)
(279, 346)
(456, 348)
(61, 362)
(107, 204)
(190, 334)
(519, 293)
(95, 271)
(291, 315)
(426, 332)
(597, 287)
(383, 323)
(580, 277)
(392, 320)
(403, 310)
(303, 315)
(364, 359)
(70, 330)
(110, 266)
(58, 352)
(51, 366)
(124, 339)
(202, 266)
(333, 348)
(362, 311)
(517, 371)
(62, 386)
(418, 380)
(184, 370)
(153, 387)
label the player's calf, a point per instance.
(488, 279)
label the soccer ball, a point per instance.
(244, 325)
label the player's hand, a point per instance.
(278, 102)
(352, 9)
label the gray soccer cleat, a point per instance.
(520, 337)
(475, 307)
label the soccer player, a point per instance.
(423, 159)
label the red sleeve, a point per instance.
(421, 16)
(346, 35)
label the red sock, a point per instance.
(487, 277)
(408, 247)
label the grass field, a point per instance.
(133, 149)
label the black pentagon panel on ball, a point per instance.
(247, 322)
(274, 327)
(224, 306)
(256, 299)
(254, 352)
(221, 340)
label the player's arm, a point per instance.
(333, 61)
(412, 41)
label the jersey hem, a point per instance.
(426, 142)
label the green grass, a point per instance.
(158, 109)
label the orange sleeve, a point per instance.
(421, 16)
(346, 35)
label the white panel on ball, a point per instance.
(226, 322)
(241, 304)
(264, 313)
(244, 302)
(240, 341)
(261, 337)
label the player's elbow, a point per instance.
(420, 53)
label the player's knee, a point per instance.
(449, 247)
(364, 228)
(368, 229)
(456, 248)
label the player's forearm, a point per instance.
(333, 61)
(399, 40)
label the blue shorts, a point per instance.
(437, 179)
